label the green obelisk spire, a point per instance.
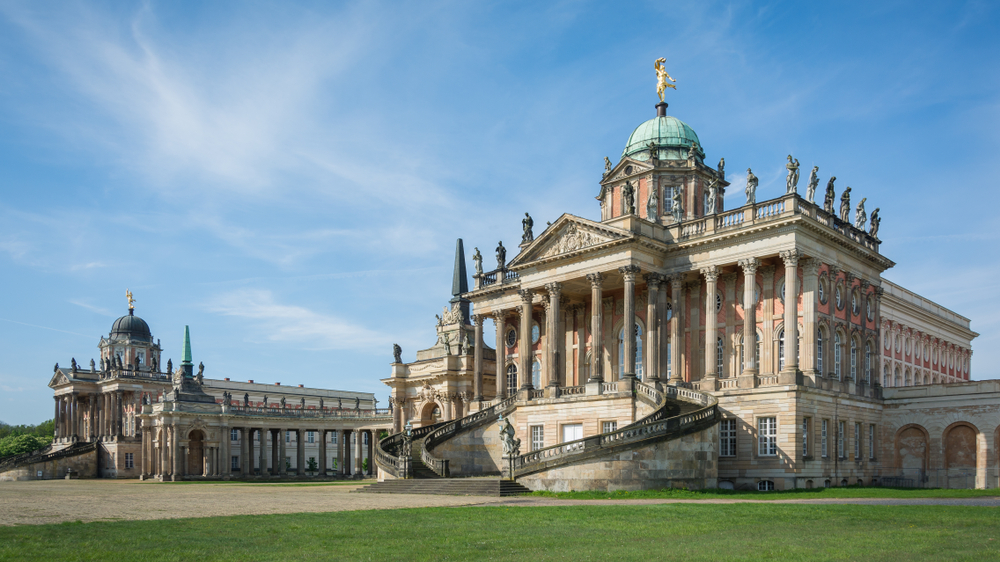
(186, 362)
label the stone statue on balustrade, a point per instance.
(876, 220)
(860, 216)
(72, 364)
(813, 182)
(652, 206)
(511, 445)
(406, 449)
(93, 366)
(831, 195)
(397, 353)
(321, 404)
(792, 181)
(526, 225)
(676, 208)
(340, 404)
(200, 377)
(607, 166)
(266, 405)
(246, 399)
(651, 147)
(713, 195)
(693, 151)
(302, 403)
(357, 403)
(501, 258)
(628, 199)
(156, 365)
(751, 189)
(282, 402)
(845, 206)
(722, 168)
(477, 258)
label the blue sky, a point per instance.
(289, 178)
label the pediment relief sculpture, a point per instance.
(572, 238)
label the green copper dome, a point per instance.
(672, 136)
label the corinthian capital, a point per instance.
(711, 273)
(596, 280)
(629, 272)
(526, 296)
(653, 280)
(790, 257)
(749, 265)
(554, 288)
(477, 319)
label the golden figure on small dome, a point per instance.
(131, 301)
(662, 77)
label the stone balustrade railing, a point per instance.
(536, 393)
(448, 430)
(377, 414)
(43, 455)
(132, 373)
(573, 390)
(387, 451)
(490, 278)
(609, 387)
(648, 394)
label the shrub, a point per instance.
(17, 444)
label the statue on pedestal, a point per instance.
(676, 209)
(876, 220)
(246, 399)
(501, 259)
(282, 402)
(713, 194)
(792, 181)
(397, 353)
(831, 195)
(751, 189)
(652, 206)
(722, 168)
(845, 206)
(526, 224)
(860, 216)
(607, 166)
(651, 147)
(693, 151)
(477, 258)
(813, 182)
(511, 445)
(628, 199)
(662, 77)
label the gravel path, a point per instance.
(55, 501)
(980, 501)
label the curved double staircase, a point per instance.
(679, 411)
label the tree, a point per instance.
(311, 466)
(364, 465)
(18, 444)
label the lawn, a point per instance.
(578, 533)
(797, 494)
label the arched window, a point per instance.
(511, 377)
(897, 379)
(668, 358)
(908, 378)
(638, 351)
(743, 364)
(819, 351)
(781, 350)
(854, 359)
(868, 362)
(720, 357)
(836, 355)
(536, 374)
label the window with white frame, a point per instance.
(129, 460)
(638, 351)
(572, 432)
(288, 436)
(720, 356)
(609, 426)
(511, 377)
(333, 437)
(234, 435)
(857, 441)
(871, 441)
(823, 451)
(819, 351)
(840, 439)
(765, 486)
(767, 437)
(727, 438)
(854, 359)
(537, 437)
(310, 437)
(234, 462)
(836, 355)
(781, 350)
(805, 436)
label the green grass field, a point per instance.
(578, 533)
(797, 494)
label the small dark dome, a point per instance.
(132, 327)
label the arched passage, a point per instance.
(196, 452)
(430, 414)
(912, 451)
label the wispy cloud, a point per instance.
(92, 308)
(277, 322)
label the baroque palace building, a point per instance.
(689, 339)
(129, 417)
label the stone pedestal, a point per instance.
(594, 388)
(747, 380)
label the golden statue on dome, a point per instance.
(662, 77)
(131, 301)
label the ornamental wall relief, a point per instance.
(571, 239)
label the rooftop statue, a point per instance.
(282, 402)
(246, 399)
(713, 194)
(501, 258)
(675, 205)
(397, 353)
(651, 146)
(751, 188)
(131, 301)
(693, 151)
(607, 166)
(831, 195)
(792, 181)
(526, 224)
(477, 258)
(652, 206)
(628, 199)
(662, 77)
(845, 206)
(875, 223)
(813, 182)
(722, 168)
(860, 216)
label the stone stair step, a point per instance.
(447, 486)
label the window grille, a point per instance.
(857, 441)
(823, 434)
(767, 436)
(537, 437)
(609, 426)
(805, 437)
(840, 439)
(727, 438)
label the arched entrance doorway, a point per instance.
(430, 414)
(196, 452)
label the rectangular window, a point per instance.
(871, 441)
(857, 441)
(840, 439)
(288, 436)
(822, 447)
(333, 437)
(767, 436)
(311, 437)
(572, 432)
(609, 426)
(537, 437)
(805, 437)
(234, 463)
(128, 461)
(727, 438)
(234, 434)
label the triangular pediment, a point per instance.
(568, 235)
(625, 169)
(58, 379)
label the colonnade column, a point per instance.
(300, 453)
(245, 451)
(499, 320)
(358, 443)
(676, 286)
(174, 453)
(596, 324)
(225, 442)
(525, 354)
(477, 381)
(371, 452)
(651, 373)
(163, 438)
(791, 259)
(283, 435)
(119, 414)
(322, 452)
(55, 416)
(711, 327)
(629, 273)
(345, 453)
(810, 284)
(552, 335)
(749, 377)
(262, 435)
(92, 421)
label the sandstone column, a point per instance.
(225, 442)
(749, 377)
(477, 382)
(676, 286)
(662, 331)
(174, 453)
(164, 451)
(652, 358)
(791, 259)
(262, 434)
(596, 323)
(525, 354)
(629, 273)
(300, 452)
(358, 443)
(711, 327)
(55, 416)
(810, 284)
(552, 336)
(498, 319)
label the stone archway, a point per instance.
(912, 450)
(961, 448)
(430, 414)
(196, 453)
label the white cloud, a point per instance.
(276, 322)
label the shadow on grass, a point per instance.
(798, 493)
